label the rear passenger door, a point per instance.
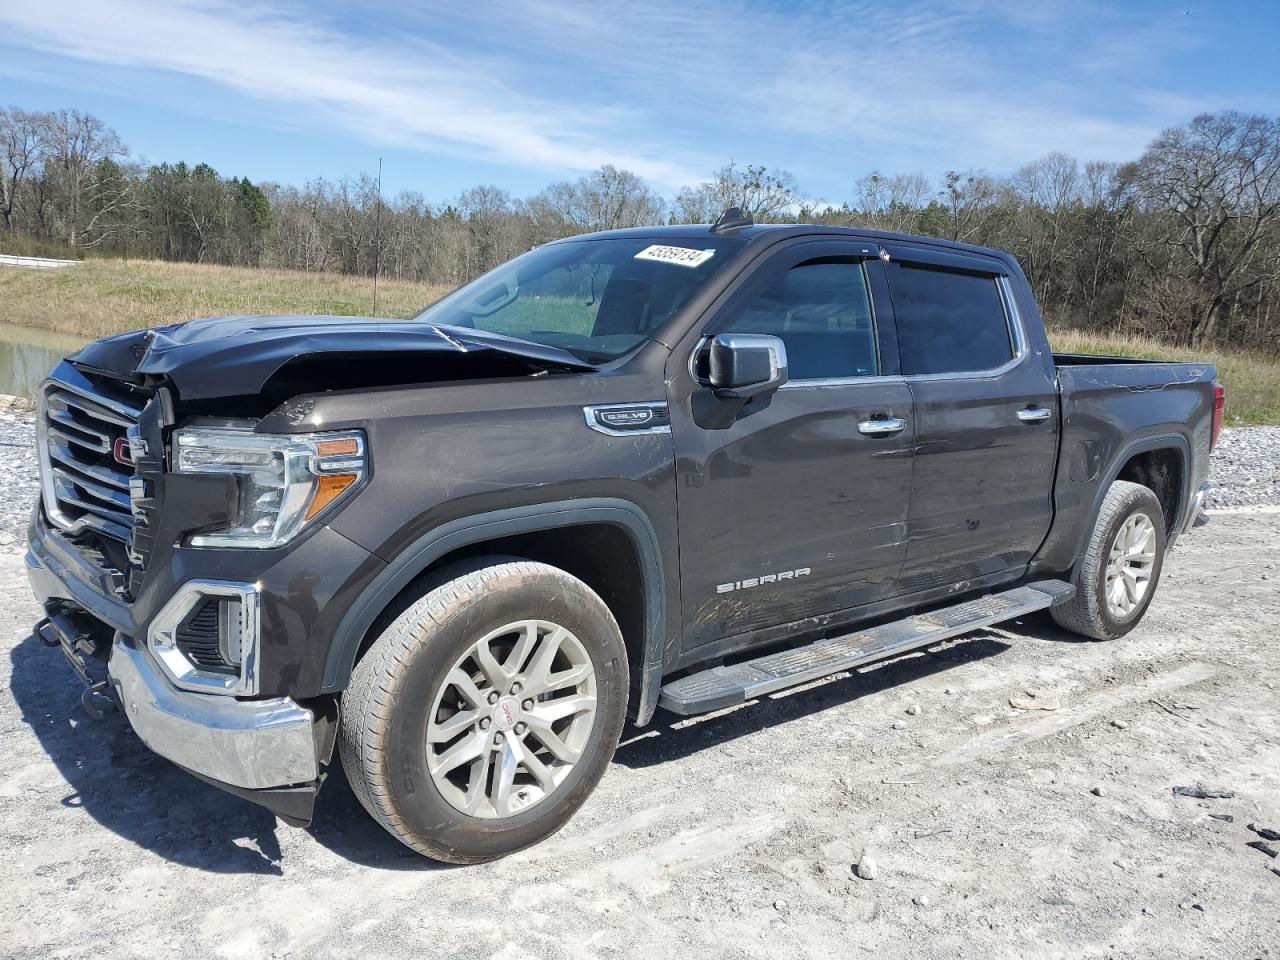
(986, 421)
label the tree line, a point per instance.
(1181, 243)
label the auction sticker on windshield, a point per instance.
(682, 256)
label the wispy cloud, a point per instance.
(417, 93)
(670, 88)
(949, 82)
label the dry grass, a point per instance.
(1252, 379)
(100, 297)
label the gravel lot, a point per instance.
(1245, 469)
(19, 475)
(994, 831)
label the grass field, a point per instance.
(101, 297)
(1252, 379)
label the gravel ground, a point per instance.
(19, 475)
(906, 811)
(1245, 469)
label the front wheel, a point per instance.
(1121, 566)
(483, 717)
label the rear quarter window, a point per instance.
(949, 321)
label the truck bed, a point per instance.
(1088, 359)
(1114, 408)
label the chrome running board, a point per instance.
(726, 686)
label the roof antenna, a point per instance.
(732, 219)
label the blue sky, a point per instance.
(522, 93)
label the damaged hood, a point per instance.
(234, 356)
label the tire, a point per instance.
(427, 674)
(1091, 613)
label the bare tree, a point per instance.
(763, 193)
(1046, 204)
(969, 201)
(22, 141)
(893, 202)
(1217, 181)
(494, 229)
(605, 199)
(1097, 248)
(82, 157)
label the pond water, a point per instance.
(27, 354)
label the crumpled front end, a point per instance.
(214, 655)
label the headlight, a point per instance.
(285, 480)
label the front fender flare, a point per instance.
(468, 531)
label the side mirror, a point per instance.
(745, 365)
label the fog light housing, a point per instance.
(206, 638)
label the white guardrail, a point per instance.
(34, 263)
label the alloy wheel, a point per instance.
(511, 719)
(1129, 565)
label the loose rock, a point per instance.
(1242, 470)
(1034, 701)
(1201, 792)
(914, 710)
(867, 869)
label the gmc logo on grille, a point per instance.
(122, 452)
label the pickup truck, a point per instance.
(680, 467)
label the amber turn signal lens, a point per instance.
(328, 489)
(346, 447)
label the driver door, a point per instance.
(798, 507)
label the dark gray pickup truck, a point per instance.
(678, 467)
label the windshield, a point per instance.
(598, 299)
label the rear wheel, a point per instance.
(1121, 566)
(483, 717)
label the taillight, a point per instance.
(1219, 406)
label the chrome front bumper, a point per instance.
(254, 744)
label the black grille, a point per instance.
(198, 635)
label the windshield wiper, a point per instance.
(468, 338)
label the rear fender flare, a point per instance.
(1128, 452)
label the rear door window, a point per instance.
(949, 321)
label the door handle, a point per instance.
(1034, 414)
(880, 428)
